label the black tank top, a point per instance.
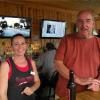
(18, 81)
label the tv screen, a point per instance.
(10, 25)
(53, 29)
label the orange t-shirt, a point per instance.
(81, 55)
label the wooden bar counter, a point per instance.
(87, 95)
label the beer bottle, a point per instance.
(71, 86)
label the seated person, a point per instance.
(46, 62)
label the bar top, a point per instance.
(87, 95)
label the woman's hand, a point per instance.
(95, 85)
(28, 91)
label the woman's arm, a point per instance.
(30, 90)
(4, 69)
(36, 77)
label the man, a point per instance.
(81, 53)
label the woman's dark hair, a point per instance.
(16, 35)
(50, 46)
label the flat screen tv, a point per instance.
(10, 25)
(53, 29)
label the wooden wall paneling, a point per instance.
(71, 21)
(97, 24)
(11, 10)
(35, 21)
(30, 10)
(68, 30)
(60, 15)
(40, 14)
(24, 11)
(2, 9)
(39, 17)
(50, 14)
(19, 11)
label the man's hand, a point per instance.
(95, 85)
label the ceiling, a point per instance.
(70, 4)
(66, 4)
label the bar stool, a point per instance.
(52, 85)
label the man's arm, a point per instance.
(62, 69)
(64, 72)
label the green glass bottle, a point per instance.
(71, 86)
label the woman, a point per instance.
(18, 74)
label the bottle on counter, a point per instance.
(71, 86)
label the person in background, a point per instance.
(46, 66)
(18, 74)
(46, 60)
(79, 52)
